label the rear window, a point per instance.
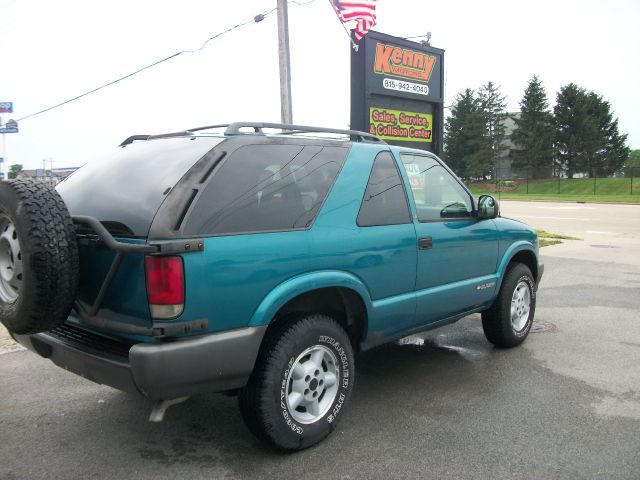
(272, 187)
(125, 189)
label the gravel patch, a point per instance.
(6, 342)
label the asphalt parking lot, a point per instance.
(446, 404)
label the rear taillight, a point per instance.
(165, 286)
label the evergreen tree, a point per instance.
(573, 129)
(492, 106)
(533, 135)
(463, 131)
(587, 136)
(607, 151)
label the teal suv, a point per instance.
(255, 259)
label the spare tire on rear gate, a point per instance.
(38, 257)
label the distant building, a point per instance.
(50, 177)
(505, 168)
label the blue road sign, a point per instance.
(6, 107)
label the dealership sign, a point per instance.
(6, 107)
(403, 62)
(401, 125)
(397, 91)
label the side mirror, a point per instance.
(487, 207)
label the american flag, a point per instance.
(363, 12)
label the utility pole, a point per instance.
(4, 165)
(286, 110)
(50, 177)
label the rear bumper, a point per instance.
(158, 370)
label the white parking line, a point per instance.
(599, 232)
(551, 218)
(566, 207)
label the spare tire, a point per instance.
(38, 257)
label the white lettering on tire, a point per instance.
(283, 392)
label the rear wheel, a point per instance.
(301, 383)
(508, 322)
(38, 257)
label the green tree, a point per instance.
(533, 135)
(573, 129)
(606, 149)
(587, 136)
(456, 139)
(14, 170)
(632, 165)
(493, 110)
(464, 130)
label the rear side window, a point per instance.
(262, 188)
(384, 202)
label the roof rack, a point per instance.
(133, 138)
(209, 127)
(356, 135)
(287, 129)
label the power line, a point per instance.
(258, 18)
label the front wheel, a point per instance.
(301, 383)
(508, 322)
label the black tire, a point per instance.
(496, 321)
(37, 236)
(263, 402)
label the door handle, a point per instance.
(425, 243)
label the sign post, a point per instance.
(286, 110)
(10, 127)
(397, 91)
(4, 155)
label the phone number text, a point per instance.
(401, 86)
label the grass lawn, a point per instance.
(543, 234)
(617, 190)
(546, 239)
(543, 242)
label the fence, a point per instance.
(529, 182)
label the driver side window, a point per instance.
(437, 194)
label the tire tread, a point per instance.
(254, 399)
(496, 321)
(49, 236)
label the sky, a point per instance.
(52, 51)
